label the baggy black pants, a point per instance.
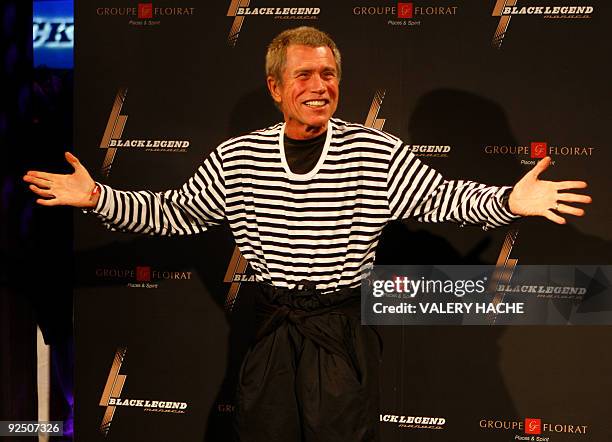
(312, 373)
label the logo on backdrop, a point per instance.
(539, 149)
(404, 13)
(372, 119)
(575, 293)
(533, 426)
(141, 276)
(526, 429)
(419, 150)
(506, 9)
(112, 139)
(236, 274)
(111, 396)
(146, 14)
(414, 422)
(429, 150)
(240, 9)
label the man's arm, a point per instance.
(416, 190)
(200, 202)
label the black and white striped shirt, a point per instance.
(322, 226)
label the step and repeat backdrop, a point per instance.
(479, 89)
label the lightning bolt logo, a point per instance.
(114, 130)
(232, 38)
(113, 387)
(504, 21)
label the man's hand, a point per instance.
(71, 190)
(532, 196)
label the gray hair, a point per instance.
(276, 57)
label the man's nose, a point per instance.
(317, 84)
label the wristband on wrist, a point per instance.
(95, 192)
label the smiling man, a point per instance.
(304, 82)
(307, 200)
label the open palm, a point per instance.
(534, 197)
(73, 189)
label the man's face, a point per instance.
(308, 94)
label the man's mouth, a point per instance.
(315, 103)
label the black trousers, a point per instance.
(312, 373)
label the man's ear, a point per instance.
(274, 88)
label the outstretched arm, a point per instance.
(416, 190)
(199, 203)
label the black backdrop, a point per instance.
(162, 303)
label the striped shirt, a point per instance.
(322, 226)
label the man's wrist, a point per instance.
(94, 196)
(505, 200)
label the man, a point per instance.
(306, 201)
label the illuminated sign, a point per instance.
(53, 33)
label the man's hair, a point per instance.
(276, 57)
